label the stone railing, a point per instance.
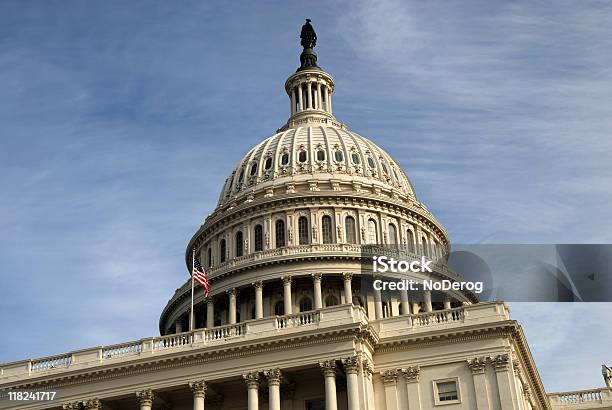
(582, 399)
(251, 330)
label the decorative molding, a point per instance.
(251, 379)
(92, 404)
(317, 276)
(411, 374)
(145, 397)
(346, 276)
(501, 362)
(389, 377)
(73, 405)
(478, 365)
(198, 388)
(351, 364)
(328, 368)
(274, 376)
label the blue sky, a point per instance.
(119, 121)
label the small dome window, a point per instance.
(395, 174)
(339, 156)
(241, 177)
(254, 169)
(268, 163)
(384, 168)
(285, 158)
(302, 156)
(320, 155)
(355, 158)
(371, 162)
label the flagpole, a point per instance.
(192, 286)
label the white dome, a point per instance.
(323, 154)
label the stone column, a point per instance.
(145, 399)
(293, 101)
(367, 372)
(274, 380)
(252, 383)
(329, 108)
(329, 372)
(411, 377)
(378, 310)
(447, 302)
(318, 298)
(390, 383)
(198, 388)
(92, 404)
(348, 291)
(258, 299)
(287, 294)
(427, 300)
(232, 305)
(405, 302)
(319, 101)
(210, 312)
(505, 380)
(351, 365)
(478, 367)
(300, 99)
(309, 96)
(178, 325)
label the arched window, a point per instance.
(280, 233)
(303, 230)
(302, 156)
(326, 228)
(209, 256)
(331, 300)
(392, 234)
(410, 240)
(222, 250)
(320, 155)
(258, 238)
(349, 230)
(424, 246)
(279, 308)
(305, 304)
(239, 244)
(254, 169)
(285, 158)
(338, 156)
(372, 234)
(268, 163)
(355, 158)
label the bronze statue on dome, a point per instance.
(308, 37)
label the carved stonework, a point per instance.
(92, 404)
(328, 367)
(198, 388)
(389, 376)
(368, 370)
(351, 364)
(317, 276)
(347, 276)
(286, 280)
(274, 376)
(145, 397)
(251, 379)
(258, 285)
(73, 405)
(477, 365)
(411, 374)
(501, 362)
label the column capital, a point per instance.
(389, 377)
(347, 276)
(232, 292)
(198, 388)
(351, 364)
(73, 405)
(210, 300)
(477, 365)
(501, 362)
(368, 369)
(274, 376)
(317, 276)
(145, 397)
(286, 280)
(251, 379)
(92, 404)
(411, 374)
(257, 285)
(328, 367)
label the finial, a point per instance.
(308, 37)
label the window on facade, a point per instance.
(372, 234)
(303, 230)
(254, 169)
(209, 257)
(239, 244)
(258, 238)
(447, 391)
(331, 300)
(279, 308)
(424, 246)
(302, 156)
(268, 163)
(392, 234)
(410, 240)
(384, 168)
(280, 233)
(222, 250)
(285, 158)
(241, 176)
(349, 230)
(320, 155)
(338, 156)
(355, 158)
(305, 304)
(326, 229)
(370, 162)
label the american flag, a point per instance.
(201, 276)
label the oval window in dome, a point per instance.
(371, 162)
(339, 156)
(254, 169)
(268, 163)
(355, 158)
(320, 155)
(395, 174)
(241, 177)
(285, 158)
(384, 168)
(302, 156)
